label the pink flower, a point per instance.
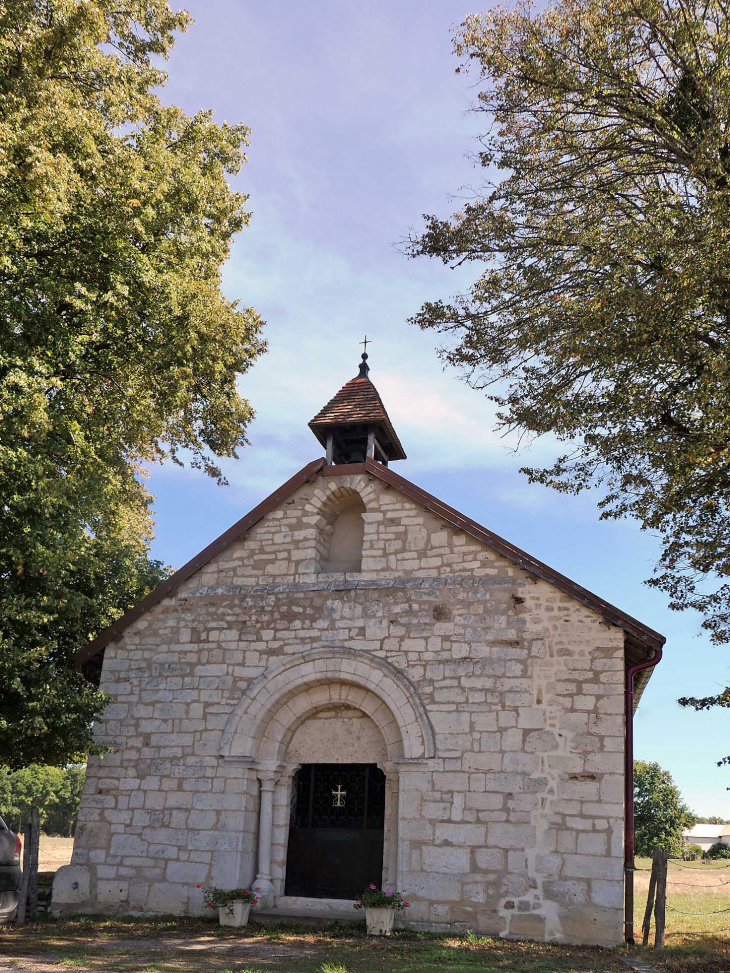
(198, 886)
(371, 886)
(406, 905)
(357, 902)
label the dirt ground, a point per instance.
(179, 946)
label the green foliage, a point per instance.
(660, 814)
(713, 819)
(118, 348)
(218, 898)
(56, 791)
(692, 853)
(373, 898)
(718, 850)
(600, 234)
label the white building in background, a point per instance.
(706, 835)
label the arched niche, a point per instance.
(341, 532)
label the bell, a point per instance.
(357, 455)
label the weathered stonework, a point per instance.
(492, 701)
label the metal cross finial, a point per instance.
(339, 797)
(363, 373)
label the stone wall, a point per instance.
(513, 827)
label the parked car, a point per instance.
(10, 873)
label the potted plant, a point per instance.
(233, 905)
(380, 908)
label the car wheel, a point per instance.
(8, 906)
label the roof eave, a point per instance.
(533, 565)
(170, 585)
(396, 449)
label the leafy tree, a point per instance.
(118, 347)
(61, 817)
(600, 233)
(660, 814)
(713, 819)
(56, 791)
(693, 853)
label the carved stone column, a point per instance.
(392, 787)
(268, 777)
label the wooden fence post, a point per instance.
(33, 876)
(649, 905)
(660, 861)
(28, 895)
(23, 893)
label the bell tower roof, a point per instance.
(354, 424)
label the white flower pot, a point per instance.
(236, 914)
(379, 922)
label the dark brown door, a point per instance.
(335, 831)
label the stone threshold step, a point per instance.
(307, 917)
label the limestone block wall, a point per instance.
(511, 824)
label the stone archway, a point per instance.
(269, 698)
(285, 699)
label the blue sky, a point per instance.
(359, 126)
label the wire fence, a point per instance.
(697, 903)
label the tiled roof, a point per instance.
(357, 401)
(704, 831)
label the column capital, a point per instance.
(269, 772)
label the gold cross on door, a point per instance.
(339, 797)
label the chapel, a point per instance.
(358, 684)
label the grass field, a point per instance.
(698, 900)
(54, 852)
(698, 917)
